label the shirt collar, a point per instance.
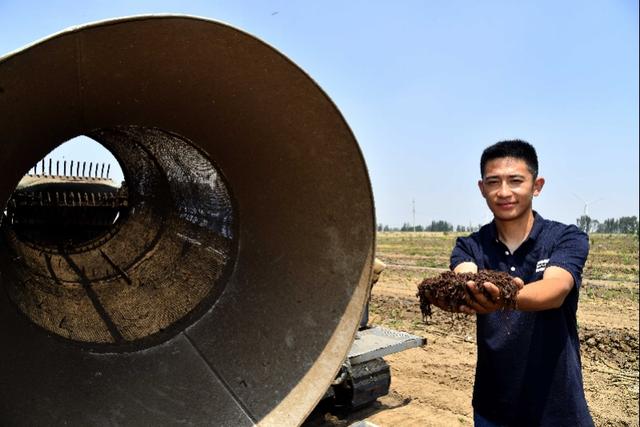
(537, 226)
(533, 234)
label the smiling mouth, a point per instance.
(506, 205)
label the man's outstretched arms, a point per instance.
(544, 294)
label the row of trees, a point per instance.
(622, 225)
(434, 226)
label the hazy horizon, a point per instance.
(426, 86)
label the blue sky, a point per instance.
(427, 85)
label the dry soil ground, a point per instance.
(431, 386)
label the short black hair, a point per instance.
(516, 148)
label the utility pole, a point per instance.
(414, 214)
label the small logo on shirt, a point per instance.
(541, 265)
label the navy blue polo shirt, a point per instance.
(528, 370)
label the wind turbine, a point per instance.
(586, 204)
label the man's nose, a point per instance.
(504, 190)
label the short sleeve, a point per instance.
(462, 252)
(570, 252)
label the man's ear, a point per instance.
(537, 186)
(481, 187)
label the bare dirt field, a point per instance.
(432, 386)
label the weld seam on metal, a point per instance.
(226, 385)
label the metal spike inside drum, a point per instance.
(230, 286)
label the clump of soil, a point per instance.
(451, 288)
(617, 347)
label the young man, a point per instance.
(528, 370)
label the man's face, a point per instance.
(509, 188)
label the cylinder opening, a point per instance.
(119, 265)
(67, 200)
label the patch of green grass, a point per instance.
(609, 292)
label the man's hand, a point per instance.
(378, 266)
(479, 303)
(442, 305)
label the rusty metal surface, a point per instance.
(231, 291)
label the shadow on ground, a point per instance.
(327, 414)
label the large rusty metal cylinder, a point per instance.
(229, 290)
